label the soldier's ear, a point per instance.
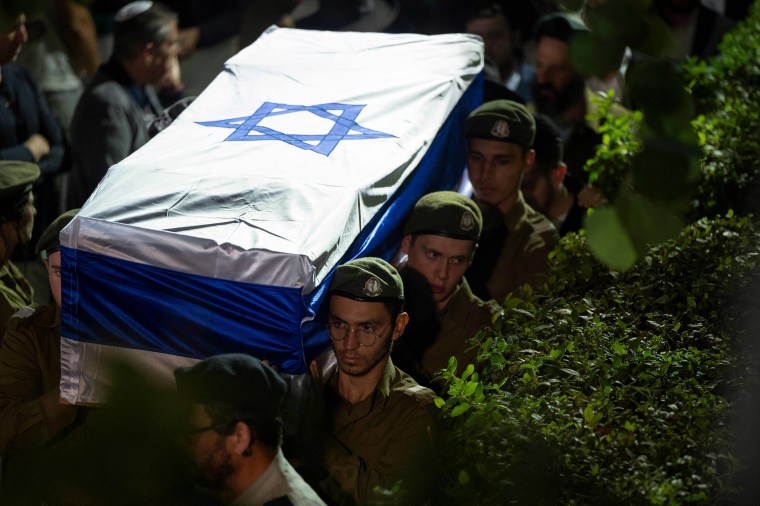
(406, 243)
(530, 159)
(401, 322)
(558, 174)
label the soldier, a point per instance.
(31, 412)
(235, 432)
(516, 240)
(440, 237)
(16, 222)
(377, 416)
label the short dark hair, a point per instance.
(132, 34)
(268, 431)
(485, 10)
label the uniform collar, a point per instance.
(517, 214)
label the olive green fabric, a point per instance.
(50, 242)
(445, 213)
(30, 372)
(524, 255)
(367, 279)
(15, 176)
(374, 441)
(465, 316)
(504, 121)
(15, 293)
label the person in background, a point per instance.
(112, 117)
(440, 239)
(516, 240)
(17, 213)
(234, 432)
(550, 189)
(32, 414)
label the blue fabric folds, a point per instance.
(138, 306)
(440, 169)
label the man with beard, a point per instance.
(440, 237)
(549, 188)
(235, 432)
(560, 92)
(516, 240)
(377, 416)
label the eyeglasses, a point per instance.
(365, 334)
(189, 434)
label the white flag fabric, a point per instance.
(221, 234)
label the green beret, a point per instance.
(236, 381)
(502, 120)
(16, 180)
(368, 279)
(559, 25)
(449, 214)
(50, 241)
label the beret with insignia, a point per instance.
(233, 380)
(446, 213)
(502, 120)
(16, 180)
(368, 279)
(50, 241)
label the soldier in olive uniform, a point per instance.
(31, 413)
(516, 240)
(378, 417)
(16, 221)
(440, 237)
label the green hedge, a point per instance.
(620, 388)
(606, 388)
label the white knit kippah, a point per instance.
(131, 10)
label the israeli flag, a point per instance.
(222, 233)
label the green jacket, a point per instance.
(465, 316)
(513, 250)
(30, 372)
(373, 442)
(15, 293)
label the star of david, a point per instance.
(343, 116)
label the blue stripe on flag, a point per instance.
(439, 169)
(159, 310)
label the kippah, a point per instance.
(131, 10)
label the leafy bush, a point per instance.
(726, 90)
(605, 388)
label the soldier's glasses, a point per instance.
(365, 334)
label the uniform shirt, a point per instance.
(512, 251)
(30, 371)
(464, 316)
(374, 441)
(280, 484)
(15, 293)
(422, 356)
